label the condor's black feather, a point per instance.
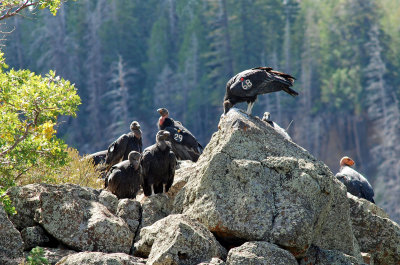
(247, 85)
(157, 164)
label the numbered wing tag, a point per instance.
(246, 83)
(178, 137)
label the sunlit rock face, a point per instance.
(252, 184)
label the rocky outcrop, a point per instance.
(260, 253)
(318, 256)
(99, 258)
(177, 239)
(252, 191)
(251, 184)
(11, 244)
(376, 235)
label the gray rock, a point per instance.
(73, 216)
(155, 208)
(318, 256)
(177, 239)
(259, 253)
(11, 244)
(251, 184)
(109, 200)
(99, 258)
(130, 211)
(25, 200)
(337, 231)
(213, 261)
(34, 236)
(377, 236)
(53, 255)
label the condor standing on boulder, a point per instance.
(126, 143)
(355, 183)
(183, 142)
(123, 178)
(157, 164)
(247, 85)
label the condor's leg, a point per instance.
(249, 107)
(152, 189)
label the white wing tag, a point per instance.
(178, 137)
(246, 84)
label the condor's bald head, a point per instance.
(133, 158)
(135, 128)
(346, 161)
(162, 135)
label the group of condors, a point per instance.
(153, 168)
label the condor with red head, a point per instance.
(183, 143)
(355, 183)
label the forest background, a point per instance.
(129, 57)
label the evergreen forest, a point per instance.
(129, 57)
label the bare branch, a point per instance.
(12, 11)
(23, 137)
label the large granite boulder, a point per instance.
(377, 235)
(177, 239)
(11, 244)
(251, 184)
(260, 253)
(99, 258)
(73, 215)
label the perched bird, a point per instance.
(123, 179)
(247, 85)
(120, 148)
(267, 119)
(183, 143)
(98, 157)
(157, 164)
(355, 183)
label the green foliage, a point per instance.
(36, 257)
(6, 202)
(30, 105)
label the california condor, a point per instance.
(123, 179)
(267, 119)
(247, 85)
(183, 143)
(98, 157)
(120, 148)
(355, 183)
(158, 164)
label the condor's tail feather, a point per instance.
(290, 91)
